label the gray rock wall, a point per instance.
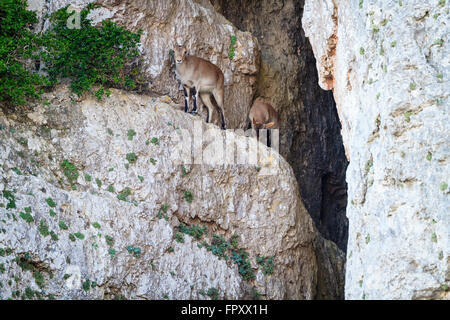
(387, 63)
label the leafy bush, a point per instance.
(123, 196)
(131, 157)
(213, 293)
(18, 47)
(188, 196)
(219, 246)
(179, 237)
(231, 52)
(89, 55)
(136, 252)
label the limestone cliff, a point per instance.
(387, 63)
(206, 34)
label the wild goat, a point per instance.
(263, 116)
(200, 78)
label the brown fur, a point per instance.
(263, 116)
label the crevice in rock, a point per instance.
(310, 128)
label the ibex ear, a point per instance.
(269, 125)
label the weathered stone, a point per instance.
(390, 68)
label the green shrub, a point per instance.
(63, 225)
(43, 228)
(245, 268)
(112, 252)
(39, 279)
(135, 251)
(123, 196)
(266, 263)
(234, 241)
(131, 157)
(179, 237)
(131, 133)
(155, 141)
(231, 52)
(70, 171)
(89, 55)
(219, 246)
(9, 195)
(50, 202)
(86, 285)
(188, 196)
(213, 293)
(17, 45)
(26, 215)
(163, 210)
(79, 235)
(109, 240)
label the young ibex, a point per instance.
(263, 116)
(200, 78)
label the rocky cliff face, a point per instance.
(310, 134)
(387, 63)
(206, 34)
(93, 197)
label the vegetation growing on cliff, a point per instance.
(86, 55)
(89, 55)
(18, 48)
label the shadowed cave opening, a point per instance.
(310, 138)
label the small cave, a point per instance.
(310, 128)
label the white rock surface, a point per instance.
(388, 65)
(264, 210)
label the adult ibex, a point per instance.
(200, 78)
